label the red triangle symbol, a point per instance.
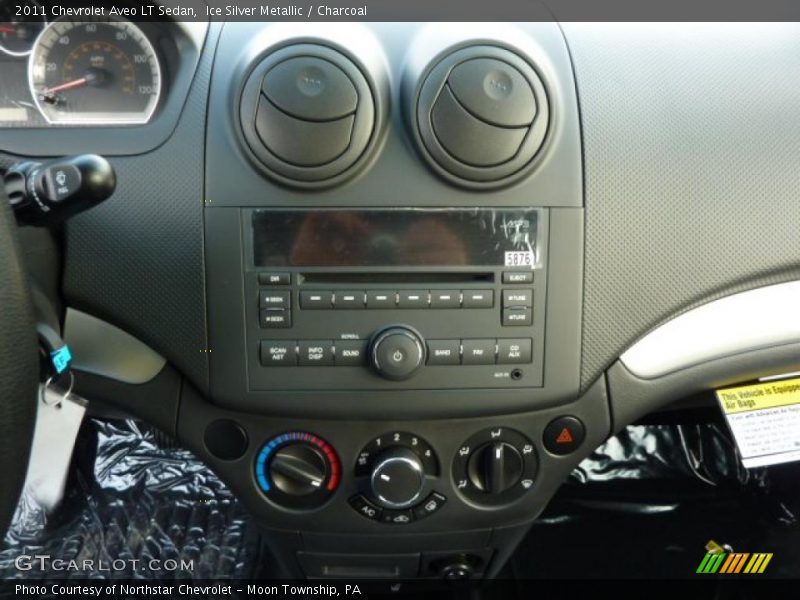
(565, 437)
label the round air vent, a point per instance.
(482, 116)
(308, 115)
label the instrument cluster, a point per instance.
(91, 72)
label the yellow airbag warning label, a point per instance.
(765, 421)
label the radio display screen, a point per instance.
(395, 238)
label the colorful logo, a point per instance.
(719, 560)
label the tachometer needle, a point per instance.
(66, 86)
(4, 29)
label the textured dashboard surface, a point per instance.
(137, 260)
(692, 170)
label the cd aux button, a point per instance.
(514, 352)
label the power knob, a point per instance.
(397, 353)
(397, 478)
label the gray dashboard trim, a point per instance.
(750, 320)
(103, 349)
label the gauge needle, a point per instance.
(66, 86)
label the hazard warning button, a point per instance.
(563, 435)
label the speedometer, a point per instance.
(95, 72)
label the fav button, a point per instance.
(478, 352)
(316, 353)
(563, 435)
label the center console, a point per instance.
(393, 246)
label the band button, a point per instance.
(443, 352)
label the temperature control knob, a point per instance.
(298, 470)
(397, 478)
(397, 352)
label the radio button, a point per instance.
(517, 317)
(445, 298)
(316, 353)
(278, 353)
(517, 298)
(274, 278)
(381, 299)
(413, 299)
(348, 300)
(478, 298)
(478, 352)
(316, 300)
(443, 352)
(275, 319)
(514, 352)
(350, 353)
(518, 277)
(274, 299)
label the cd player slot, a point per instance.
(398, 278)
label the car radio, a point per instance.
(342, 299)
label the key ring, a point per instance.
(47, 385)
